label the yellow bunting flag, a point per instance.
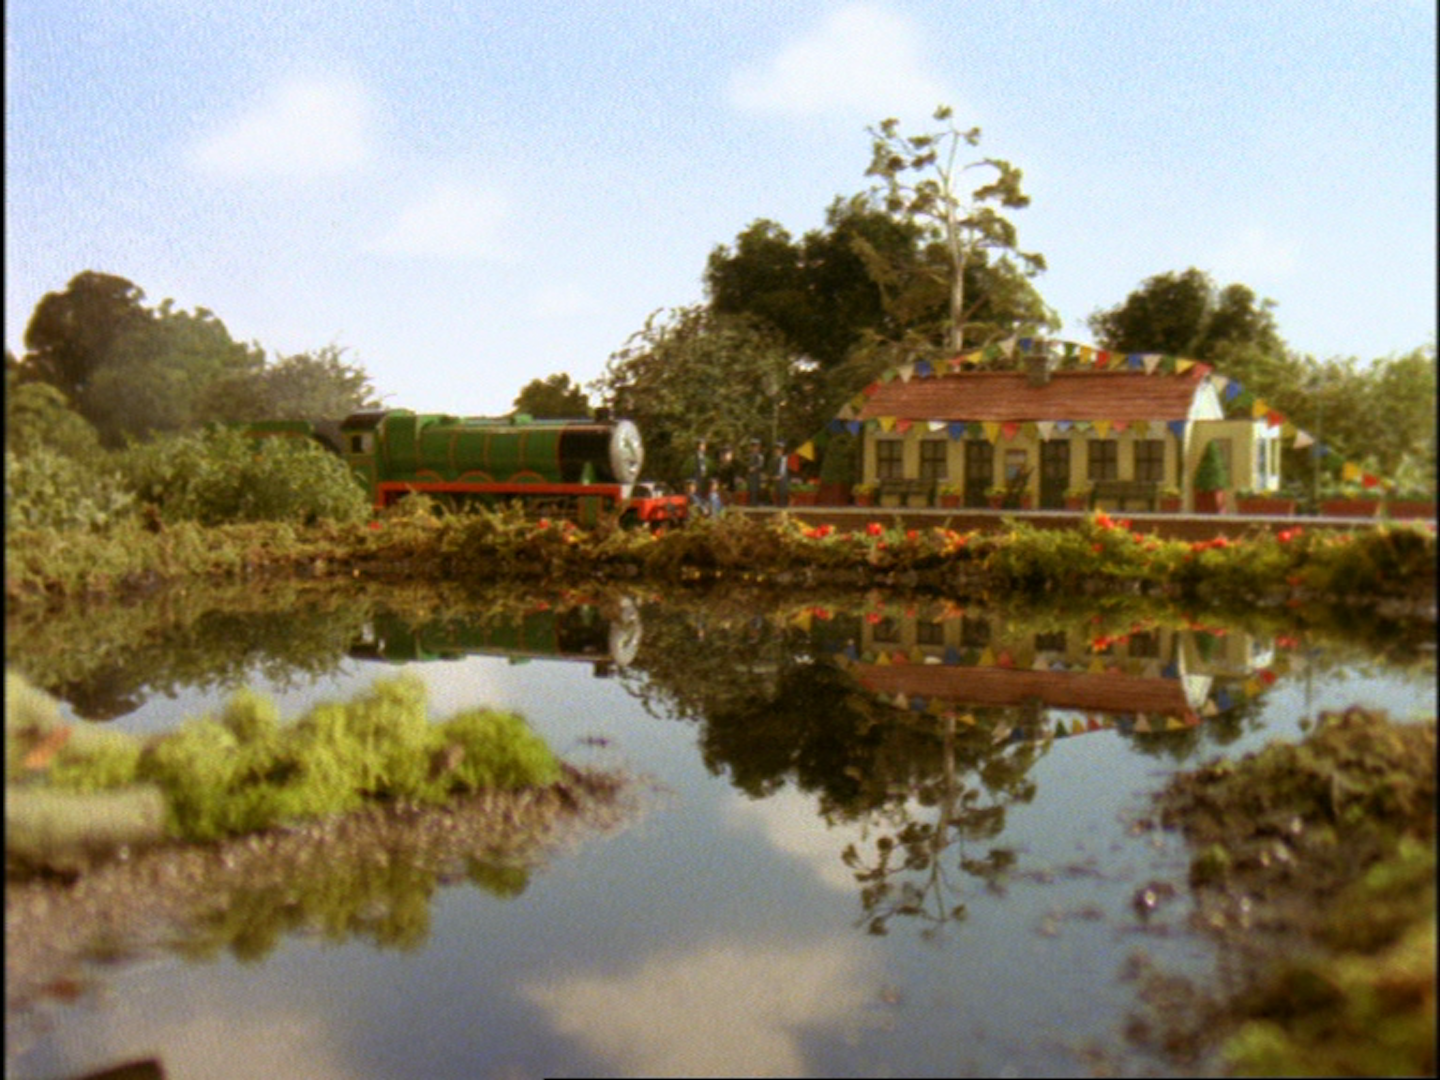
(1102, 427)
(1182, 366)
(1259, 409)
(991, 429)
(1349, 472)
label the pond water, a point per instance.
(880, 835)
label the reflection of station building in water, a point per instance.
(607, 638)
(1061, 682)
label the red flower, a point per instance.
(874, 528)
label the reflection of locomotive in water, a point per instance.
(607, 639)
(578, 469)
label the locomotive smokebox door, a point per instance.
(627, 453)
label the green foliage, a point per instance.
(298, 387)
(1185, 315)
(48, 489)
(499, 752)
(71, 333)
(157, 376)
(921, 177)
(1210, 474)
(246, 772)
(1351, 990)
(38, 414)
(840, 463)
(697, 375)
(552, 398)
(134, 372)
(220, 476)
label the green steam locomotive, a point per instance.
(583, 470)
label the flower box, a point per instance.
(1272, 505)
(1350, 507)
(1410, 508)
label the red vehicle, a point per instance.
(652, 503)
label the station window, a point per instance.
(889, 459)
(1150, 459)
(1054, 642)
(1015, 467)
(1104, 461)
(361, 442)
(933, 457)
(929, 632)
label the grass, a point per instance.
(245, 771)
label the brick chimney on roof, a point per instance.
(1037, 368)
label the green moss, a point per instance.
(245, 771)
(1348, 986)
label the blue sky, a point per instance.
(467, 196)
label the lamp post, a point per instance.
(1315, 385)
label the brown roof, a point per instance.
(1125, 396)
(1110, 691)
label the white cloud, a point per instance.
(863, 58)
(451, 220)
(564, 300)
(1254, 257)
(720, 1010)
(302, 129)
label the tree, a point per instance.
(157, 376)
(819, 293)
(37, 415)
(318, 385)
(553, 398)
(921, 180)
(1186, 315)
(693, 374)
(71, 334)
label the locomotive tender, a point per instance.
(579, 469)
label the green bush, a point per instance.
(46, 489)
(221, 476)
(245, 771)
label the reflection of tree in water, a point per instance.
(952, 786)
(370, 876)
(106, 661)
(774, 709)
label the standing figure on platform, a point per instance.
(782, 476)
(755, 471)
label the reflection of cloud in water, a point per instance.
(457, 685)
(725, 1010)
(217, 1041)
(791, 820)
